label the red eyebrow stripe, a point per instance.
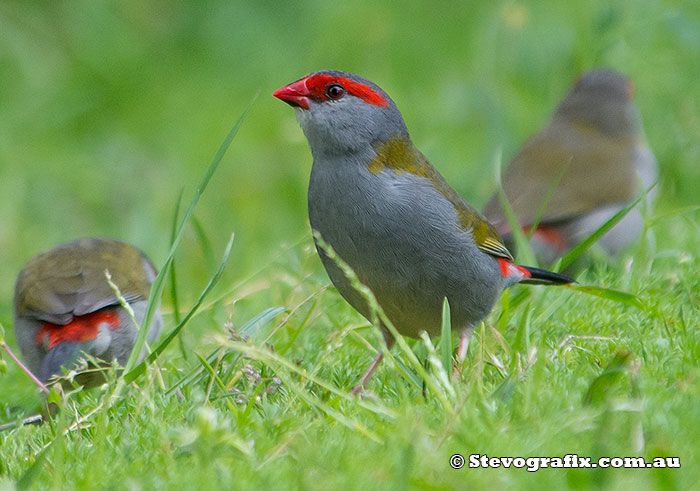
(316, 84)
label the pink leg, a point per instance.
(368, 373)
(465, 335)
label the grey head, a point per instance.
(342, 113)
(603, 99)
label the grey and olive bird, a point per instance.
(590, 161)
(64, 305)
(390, 215)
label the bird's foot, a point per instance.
(360, 387)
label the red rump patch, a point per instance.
(316, 84)
(549, 235)
(523, 271)
(509, 269)
(81, 329)
(505, 266)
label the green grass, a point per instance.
(109, 111)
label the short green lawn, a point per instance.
(108, 111)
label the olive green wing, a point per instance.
(69, 280)
(577, 167)
(485, 235)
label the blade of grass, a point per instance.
(262, 318)
(678, 211)
(127, 307)
(28, 477)
(307, 396)
(591, 239)
(173, 277)
(159, 283)
(553, 186)
(63, 427)
(524, 250)
(601, 388)
(271, 358)
(408, 373)
(228, 293)
(204, 243)
(312, 298)
(505, 310)
(609, 294)
(241, 445)
(130, 376)
(438, 367)
(446, 336)
(214, 378)
(521, 343)
(293, 337)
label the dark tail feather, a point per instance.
(544, 277)
(64, 354)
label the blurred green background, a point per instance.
(109, 109)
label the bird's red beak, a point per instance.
(294, 94)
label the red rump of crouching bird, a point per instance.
(64, 305)
(390, 215)
(591, 158)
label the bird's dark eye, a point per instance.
(335, 91)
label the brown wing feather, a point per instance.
(69, 279)
(593, 165)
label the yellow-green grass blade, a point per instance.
(159, 283)
(591, 239)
